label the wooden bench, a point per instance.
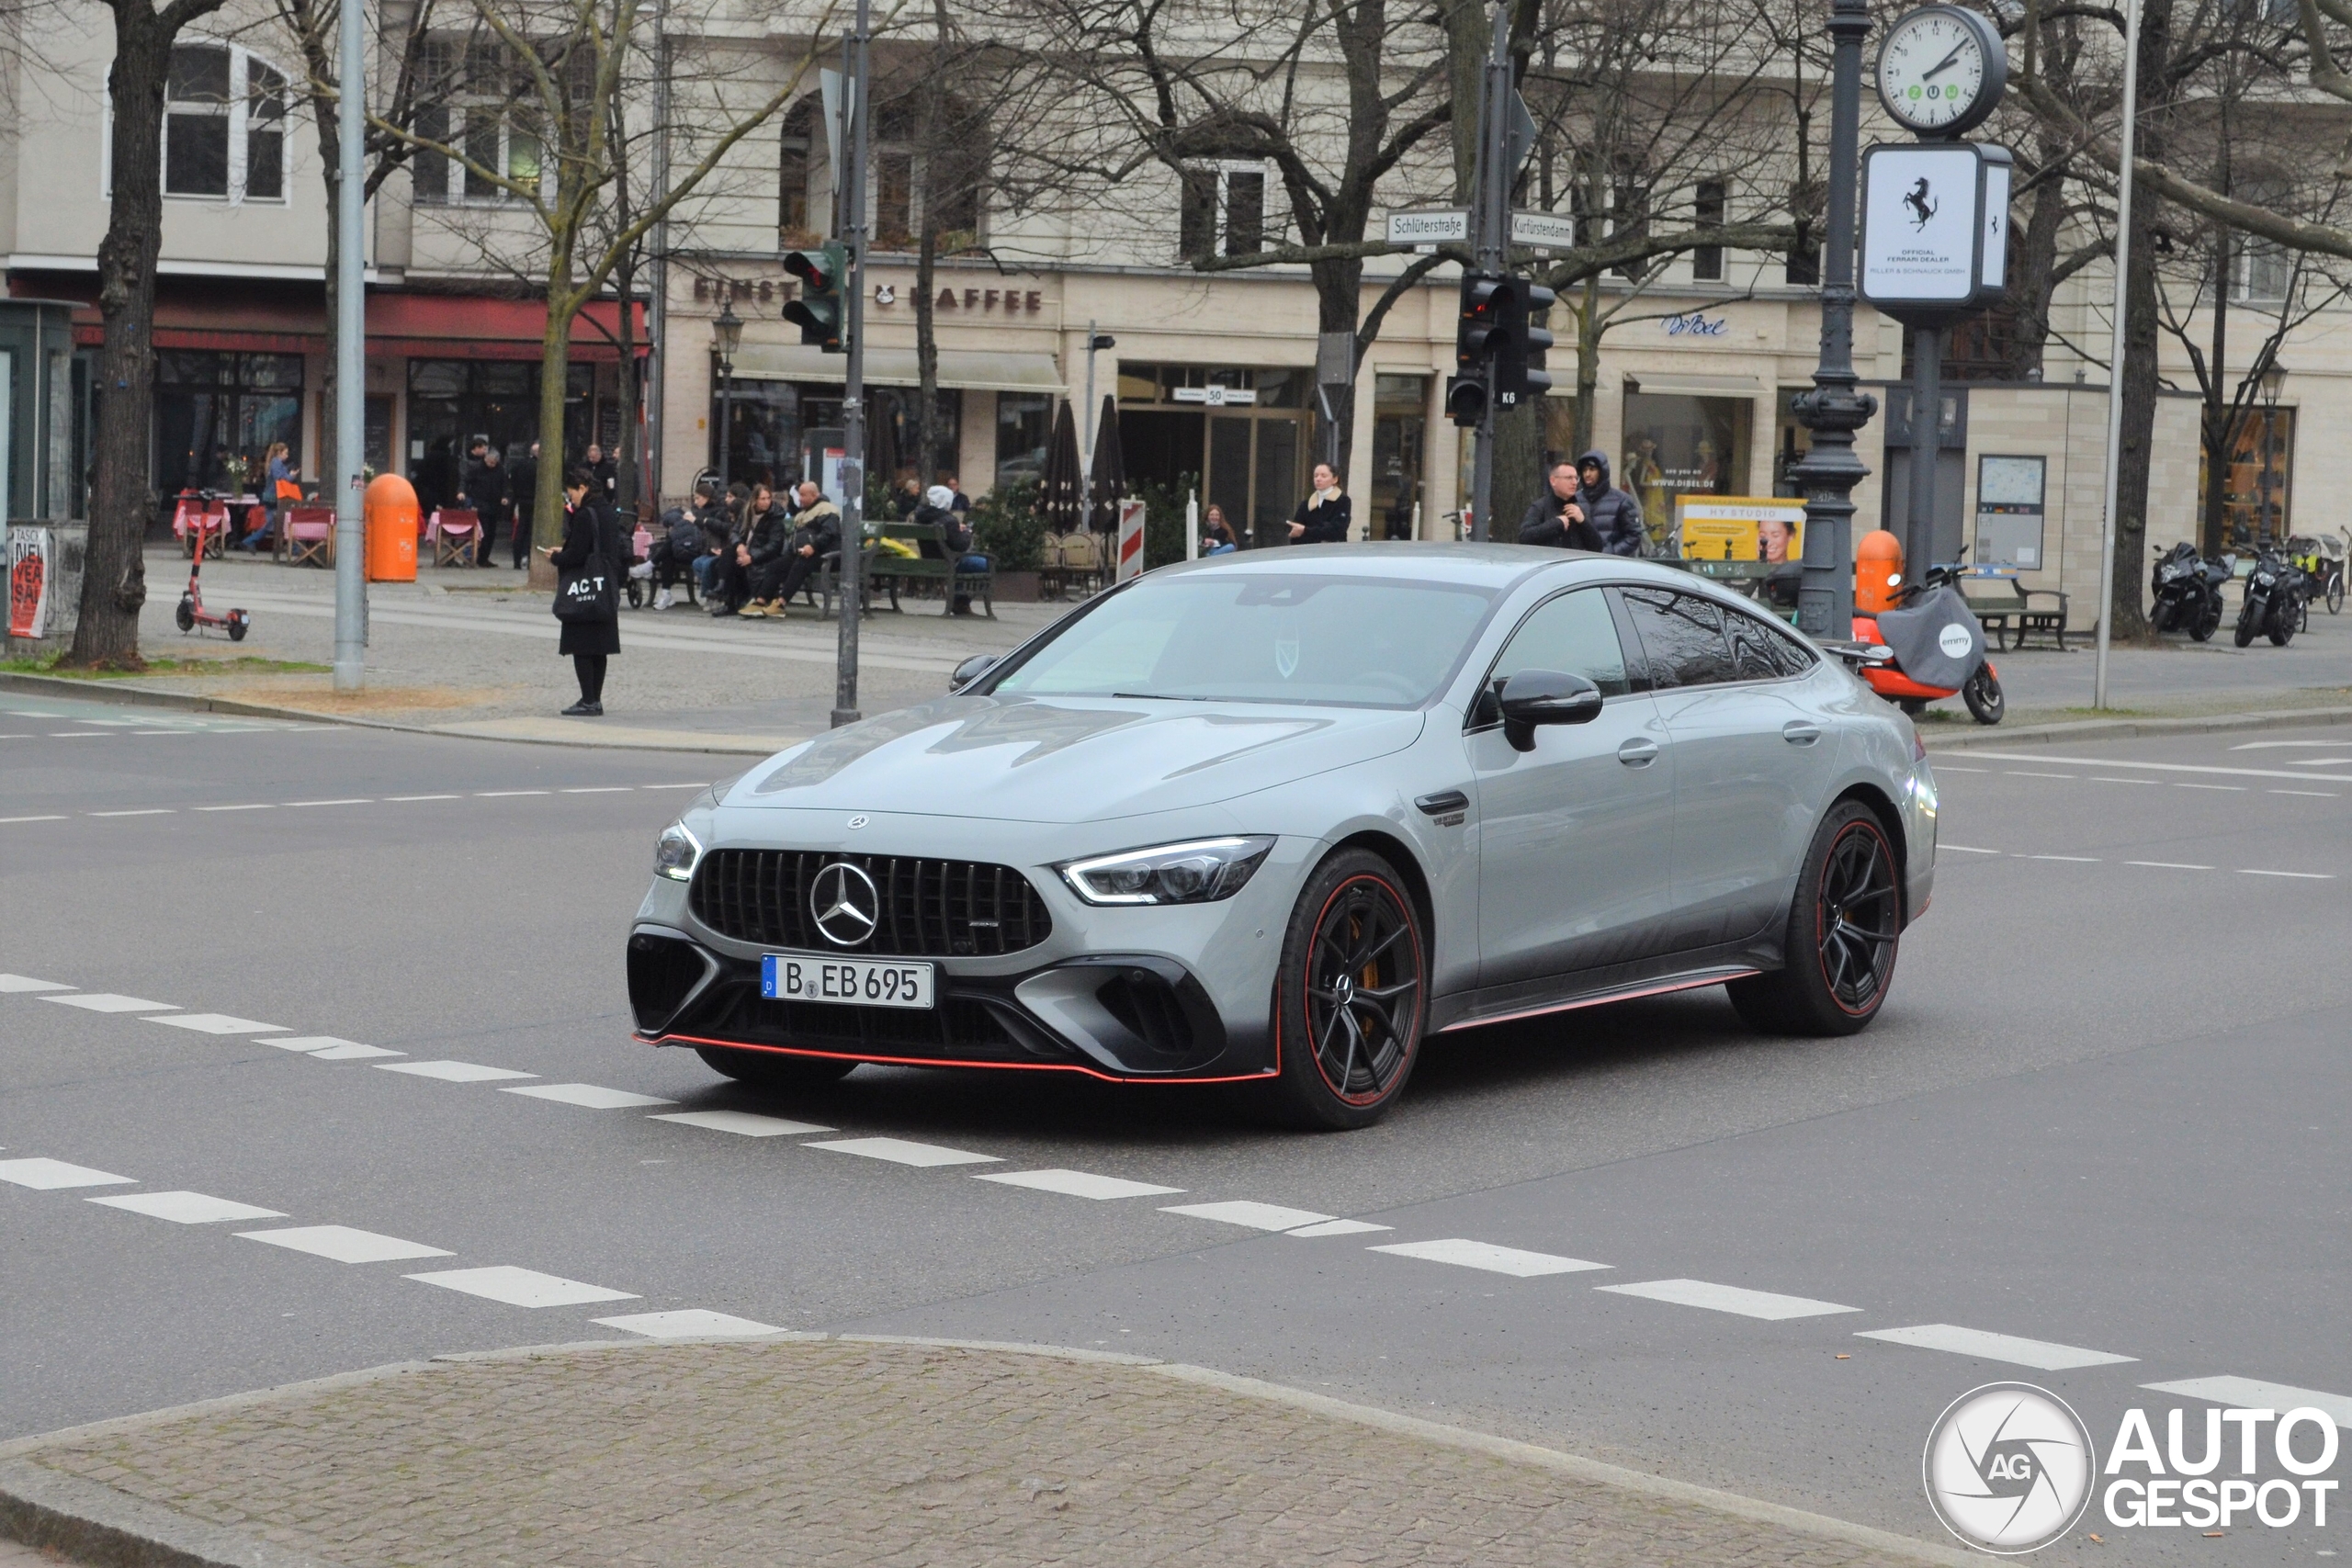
(2002, 605)
(888, 572)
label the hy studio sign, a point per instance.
(1935, 229)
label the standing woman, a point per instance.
(591, 527)
(1322, 518)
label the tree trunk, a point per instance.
(1588, 367)
(555, 354)
(2219, 424)
(625, 468)
(2037, 259)
(1338, 308)
(122, 501)
(926, 453)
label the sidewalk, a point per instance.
(812, 1451)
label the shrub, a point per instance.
(1005, 524)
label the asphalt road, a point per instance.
(2104, 1111)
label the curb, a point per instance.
(2136, 729)
(99, 1526)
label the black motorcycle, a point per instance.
(2274, 600)
(2188, 592)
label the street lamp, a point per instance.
(2272, 381)
(727, 336)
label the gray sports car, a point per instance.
(1278, 818)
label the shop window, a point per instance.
(1678, 446)
(1024, 426)
(224, 125)
(1222, 211)
(2257, 489)
(213, 409)
(1707, 211)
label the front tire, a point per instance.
(1351, 995)
(2244, 635)
(1845, 928)
(773, 1073)
(1982, 692)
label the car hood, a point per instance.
(1067, 760)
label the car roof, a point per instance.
(1498, 567)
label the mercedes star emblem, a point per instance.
(858, 822)
(846, 904)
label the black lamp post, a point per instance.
(2273, 381)
(727, 336)
(1834, 409)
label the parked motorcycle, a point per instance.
(2273, 604)
(1939, 648)
(2188, 590)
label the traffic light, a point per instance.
(1466, 399)
(1520, 346)
(819, 312)
(1487, 302)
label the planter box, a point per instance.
(1017, 587)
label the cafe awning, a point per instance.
(1696, 386)
(959, 369)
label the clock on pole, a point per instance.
(1941, 71)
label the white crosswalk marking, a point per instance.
(1976, 1342)
(1727, 1298)
(687, 1323)
(902, 1151)
(1484, 1255)
(50, 1174)
(22, 984)
(342, 1244)
(1077, 1184)
(452, 1072)
(2251, 1393)
(1338, 1227)
(219, 1023)
(592, 1097)
(743, 1124)
(107, 1001)
(521, 1287)
(187, 1208)
(1256, 1216)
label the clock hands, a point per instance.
(1945, 63)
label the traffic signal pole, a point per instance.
(852, 209)
(1490, 221)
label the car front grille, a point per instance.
(931, 908)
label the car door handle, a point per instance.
(1797, 732)
(1637, 752)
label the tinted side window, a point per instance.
(1574, 634)
(1794, 657)
(1683, 636)
(1756, 652)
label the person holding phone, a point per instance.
(1557, 517)
(591, 527)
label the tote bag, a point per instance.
(586, 592)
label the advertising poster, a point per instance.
(1919, 224)
(1769, 528)
(30, 551)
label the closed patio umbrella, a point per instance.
(1110, 469)
(1062, 506)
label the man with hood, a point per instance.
(1614, 515)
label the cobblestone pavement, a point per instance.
(846, 1452)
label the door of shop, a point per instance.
(1253, 470)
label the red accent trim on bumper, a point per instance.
(930, 1062)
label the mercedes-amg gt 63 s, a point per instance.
(1280, 817)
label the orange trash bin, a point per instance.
(1878, 571)
(392, 524)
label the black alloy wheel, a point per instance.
(2248, 621)
(2284, 614)
(1845, 930)
(1350, 1000)
(773, 1071)
(2209, 619)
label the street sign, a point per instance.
(1429, 225)
(1543, 231)
(1520, 135)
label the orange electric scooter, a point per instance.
(1931, 622)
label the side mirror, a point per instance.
(971, 670)
(1546, 696)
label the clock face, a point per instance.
(1932, 73)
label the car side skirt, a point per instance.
(1598, 987)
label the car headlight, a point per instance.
(1200, 872)
(676, 853)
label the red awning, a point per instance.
(421, 326)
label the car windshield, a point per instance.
(1276, 637)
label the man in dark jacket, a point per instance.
(1557, 517)
(816, 534)
(1614, 515)
(522, 490)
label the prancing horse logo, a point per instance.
(1921, 207)
(845, 903)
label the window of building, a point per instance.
(793, 170)
(211, 407)
(224, 125)
(1222, 211)
(1678, 446)
(2262, 273)
(893, 201)
(1707, 210)
(930, 164)
(1024, 428)
(482, 108)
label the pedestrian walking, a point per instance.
(1557, 517)
(1614, 515)
(601, 474)
(592, 539)
(1323, 517)
(486, 487)
(522, 492)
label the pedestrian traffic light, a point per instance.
(1520, 346)
(819, 312)
(1466, 399)
(1487, 301)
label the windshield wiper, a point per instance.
(1161, 697)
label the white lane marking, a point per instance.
(2078, 860)
(143, 811)
(1988, 1347)
(1493, 1260)
(589, 1096)
(502, 793)
(2251, 1393)
(406, 798)
(2151, 783)
(219, 1023)
(349, 1051)
(1256, 1216)
(1727, 1298)
(1967, 849)
(674, 787)
(2242, 746)
(107, 1001)
(187, 1208)
(521, 1287)
(452, 1072)
(50, 1174)
(356, 800)
(687, 1323)
(2302, 875)
(26, 983)
(743, 1124)
(1077, 1184)
(2157, 767)
(78, 733)
(900, 1151)
(2308, 794)
(2233, 789)
(317, 1043)
(2016, 774)
(259, 806)
(49, 819)
(1947, 768)
(2320, 762)
(2167, 865)
(1338, 1227)
(599, 789)
(341, 1244)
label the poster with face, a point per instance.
(30, 553)
(1770, 529)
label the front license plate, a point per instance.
(866, 982)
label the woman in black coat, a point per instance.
(591, 527)
(1322, 518)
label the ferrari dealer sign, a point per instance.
(1922, 225)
